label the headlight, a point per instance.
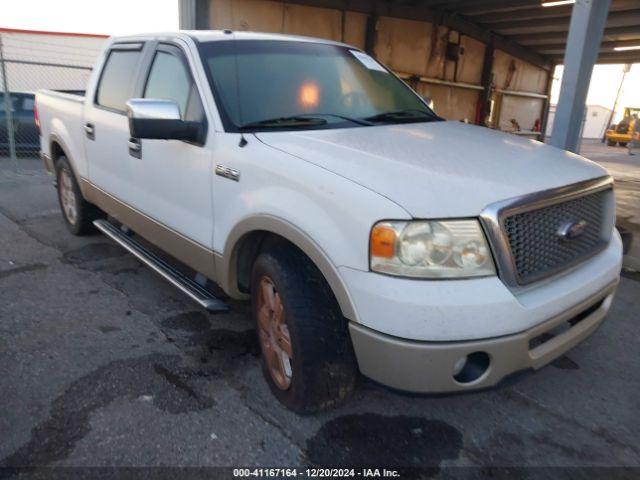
(431, 249)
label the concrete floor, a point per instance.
(625, 169)
(104, 364)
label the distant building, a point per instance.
(55, 60)
(595, 121)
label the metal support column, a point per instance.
(588, 19)
(194, 14)
(547, 104)
(370, 34)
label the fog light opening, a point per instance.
(471, 367)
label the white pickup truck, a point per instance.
(369, 233)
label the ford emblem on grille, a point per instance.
(572, 229)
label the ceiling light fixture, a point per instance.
(624, 49)
(557, 3)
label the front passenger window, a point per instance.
(169, 79)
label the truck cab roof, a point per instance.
(225, 35)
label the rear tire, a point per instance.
(622, 144)
(315, 368)
(78, 214)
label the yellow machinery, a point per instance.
(623, 132)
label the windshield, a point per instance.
(286, 85)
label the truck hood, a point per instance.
(438, 169)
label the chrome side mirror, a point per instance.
(160, 120)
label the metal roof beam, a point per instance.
(451, 20)
(561, 24)
(501, 43)
(558, 48)
(487, 6)
(524, 14)
(607, 57)
(554, 37)
(536, 11)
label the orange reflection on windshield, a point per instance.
(309, 96)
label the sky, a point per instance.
(605, 81)
(110, 17)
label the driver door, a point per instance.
(174, 178)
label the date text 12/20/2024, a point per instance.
(315, 472)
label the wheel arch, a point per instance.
(243, 245)
(57, 149)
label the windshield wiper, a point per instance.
(285, 122)
(406, 115)
(359, 121)
(302, 120)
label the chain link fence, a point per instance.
(28, 64)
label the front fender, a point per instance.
(226, 264)
(327, 216)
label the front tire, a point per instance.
(611, 143)
(307, 356)
(78, 214)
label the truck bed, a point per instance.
(62, 112)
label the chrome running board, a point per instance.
(187, 286)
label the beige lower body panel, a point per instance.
(48, 163)
(192, 254)
(428, 367)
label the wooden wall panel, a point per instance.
(406, 46)
(403, 45)
(436, 61)
(276, 17)
(247, 15)
(355, 28)
(511, 73)
(471, 61)
(312, 22)
(450, 102)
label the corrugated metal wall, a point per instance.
(416, 50)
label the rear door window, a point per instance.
(118, 78)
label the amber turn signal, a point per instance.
(383, 239)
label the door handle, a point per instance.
(90, 131)
(135, 147)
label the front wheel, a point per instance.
(307, 356)
(611, 143)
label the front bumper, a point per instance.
(476, 308)
(431, 366)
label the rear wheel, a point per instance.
(307, 356)
(76, 211)
(622, 144)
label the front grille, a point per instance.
(537, 248)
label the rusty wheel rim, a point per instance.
(68, 197)
(275, 339)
